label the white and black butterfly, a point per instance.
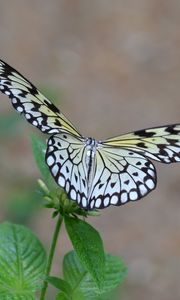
(93, 173)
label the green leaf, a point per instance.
(60, 284)
(22, 262)
(61, 296)
(88, 246)
(115, 273)
(81, 281)
(39, 149)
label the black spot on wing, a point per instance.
(142, 145)
(51, 106)
(112, 184)
(101, 185)
(172, 141)
(36, 107)
(76, 178)
(84, 182)
(67, 169)
(135, 174)
(162, 149)
(144, 133)
(147, 164)
(170, 129)
(32, 89)
(57, 122)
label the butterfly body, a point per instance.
(90, 153)
(93, 173)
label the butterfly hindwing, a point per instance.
(27, 100)
(66, 159)
(121, 176)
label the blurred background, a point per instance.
(111, 67)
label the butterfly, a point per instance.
(93, 173)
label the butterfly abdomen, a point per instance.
(91, 146)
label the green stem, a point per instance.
(51, 255)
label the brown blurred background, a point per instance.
(116, 68)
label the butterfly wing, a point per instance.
(124, 171)
(160, 143)
(36, 108)
(66, 159)
(120, 176)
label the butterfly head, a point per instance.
(91, 145)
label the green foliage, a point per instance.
(78, 283)
(60, 284)
(39, 149)
(22, 262)
(61, 296)
(88, 246)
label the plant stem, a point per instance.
(51, 255)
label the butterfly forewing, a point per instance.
(36, 108)
(66, 158)
(160, 143)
